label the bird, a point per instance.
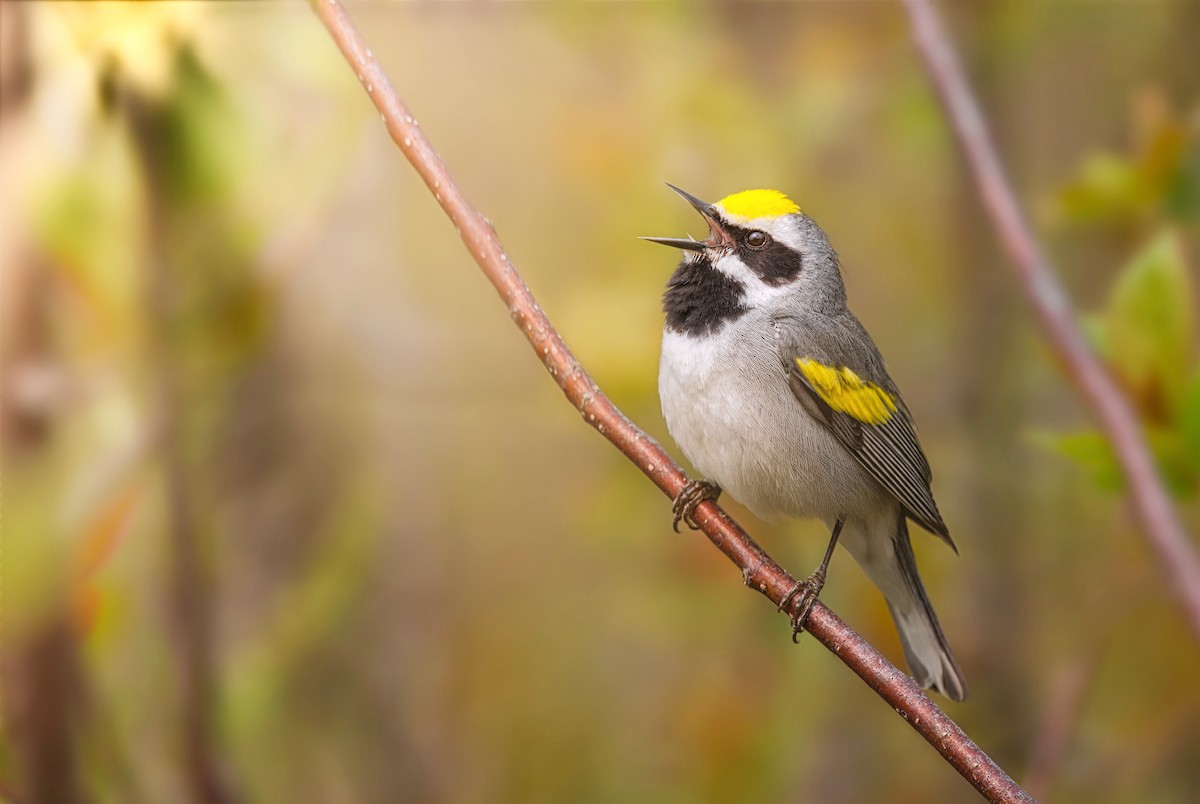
(778, 396)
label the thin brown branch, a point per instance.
(1068, 694)
(188, 589)
(759, 571)
(1158, 516)
(46, 707)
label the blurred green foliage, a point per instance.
(1147, 332)
(1162, 181)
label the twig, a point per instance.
(1160, 521)
(1068, 694)
(46, 707)
(759, 571)
(188, 586)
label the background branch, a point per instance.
(759, 571)
(1066, 700)
(189, 588)
(1159, 519)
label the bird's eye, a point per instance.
(757, 239)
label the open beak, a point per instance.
(717, 236)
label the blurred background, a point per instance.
(290, 512)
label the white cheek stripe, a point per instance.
(756, 292)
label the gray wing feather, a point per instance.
(890, 452)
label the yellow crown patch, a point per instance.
(750, 204)
(846, 392)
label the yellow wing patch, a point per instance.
(846, 392)
(751, 204)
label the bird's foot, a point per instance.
(810, 588)
(805, 593)
(694, 493)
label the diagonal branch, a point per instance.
(758, 569)
(1158, 516)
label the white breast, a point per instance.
(729, 408)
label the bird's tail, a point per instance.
(893, 568)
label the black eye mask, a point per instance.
(775, 263)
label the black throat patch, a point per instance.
(699, 299)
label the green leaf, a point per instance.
(1089, 449)
(1176, 464)
(1160, 180)
(1183, 191)
(1092, 451)
(1189, 420)
(1151, 326)
(1106, 187)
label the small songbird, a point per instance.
(777, 394)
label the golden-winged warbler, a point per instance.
(777, 395)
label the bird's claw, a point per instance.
(684, 505)
(806, 592)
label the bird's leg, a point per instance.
(810, 587)
(694, 493)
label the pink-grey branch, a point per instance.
(759, 571)
(1158, 516)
